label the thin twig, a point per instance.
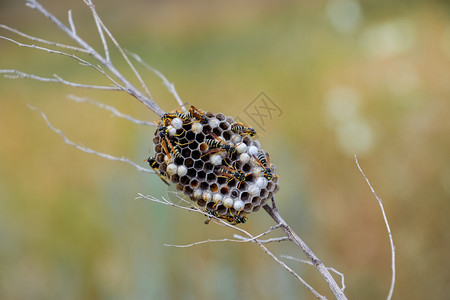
(14, 74)
(310, 263)
(128, 87)
(271, 240)
(71, 23)
(169, 85)
(273, 212)
(101, 27)
(195, 209)
(39, 40)
(80, 60)
(239, 239)
(110, 108)
(89, 150)
(391, 240)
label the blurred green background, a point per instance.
(367, 78)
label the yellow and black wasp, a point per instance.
(198, 114)
(234, 219)
(155, 166)
(232, 173)
(264, 161)
(240, 128)
(218, 145)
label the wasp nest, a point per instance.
(215, 161)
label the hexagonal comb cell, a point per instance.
(215, 161)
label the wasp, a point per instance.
(217, 145)
(240, 219)
(155, 166)
(264, 161)
(198, 114)
(167, 142)
(172, 115)
(240, 128)
(232, 173)
(235, 219)
(212, 212)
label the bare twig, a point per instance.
(89, 150)
(195, 209)
(273, 212)
(112, 109)
(14, 74)
(127, 86)
(169, 85)
(39, 40)
(101, 27)
(72, 24)
(239, 239)
(310, 263)
(271, 240)
(391, 240)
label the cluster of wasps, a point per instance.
(222, 155)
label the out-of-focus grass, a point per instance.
(69, 224)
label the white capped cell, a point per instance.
(244, 158)
(217, 198)
(172, 169)
(216, 159)
(213, 122)
(197, 194)
(238, 205)
(197, 127)
(241, 148)
(254, 190)
(227, 202)
(261, 182)
(182, 170)
(177, 123)
(252, 150)
(171, 130)
(237, 138)
(207, 196)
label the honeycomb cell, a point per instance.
(244, 196)
(264, 193)
(211, 178)
(256, 201)
(201, 175)
(217, 131)
(234, 193)
(188, 162)
(248, 207)
(184, 180)
(224, 125)
(214, 188)
(194, 184)
(186, 152)
(224, 190)
(226, 135)
(198, 165)
(201, 202)
(195, 154)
